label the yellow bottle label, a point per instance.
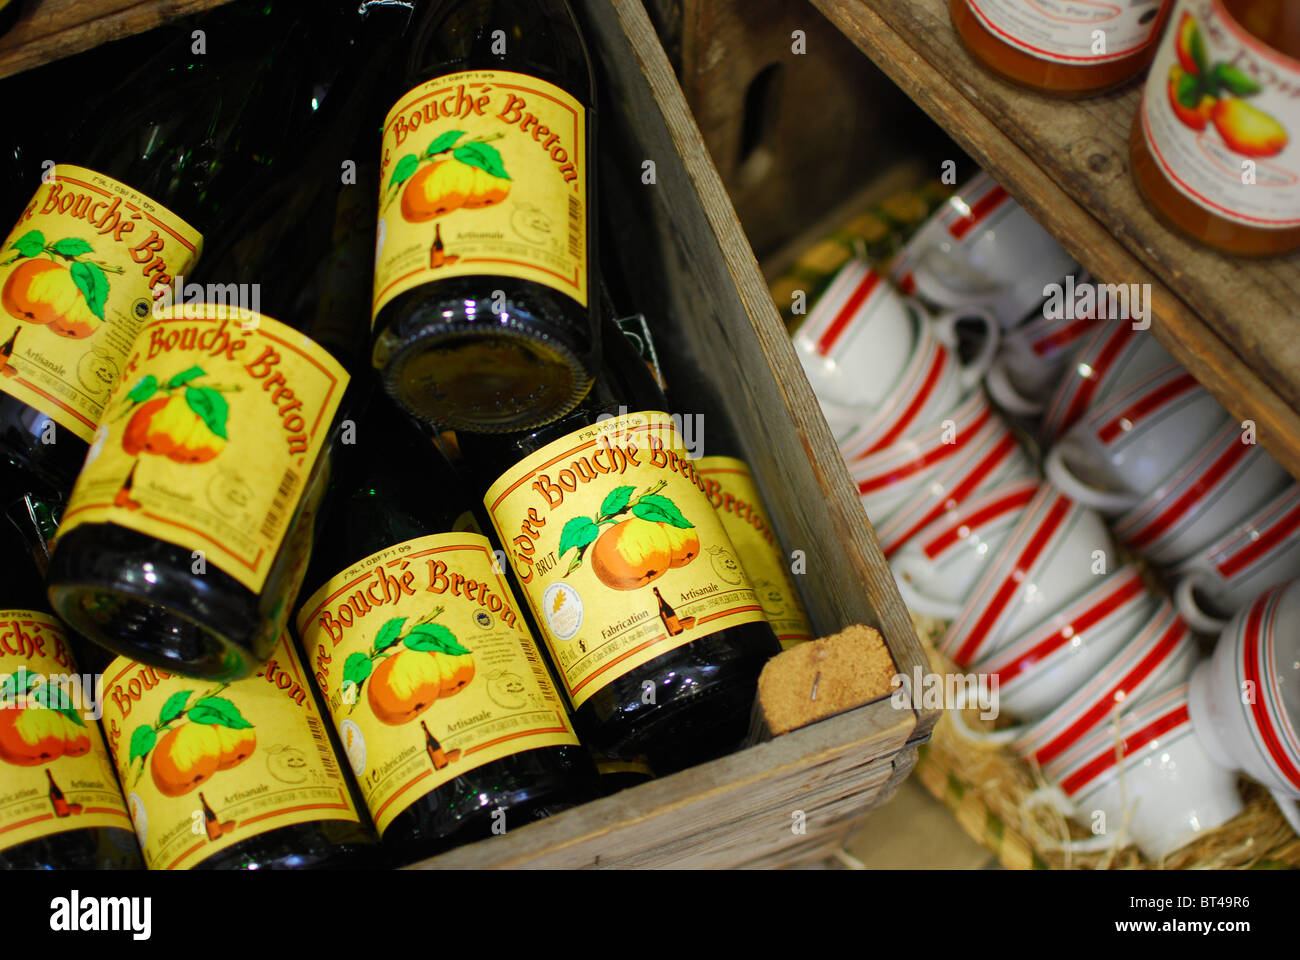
(211, 436)
(428, 670)
(205, 768)
(735, 496)
(55, 774)
(80, 273)
(483, 172)
(595, 523)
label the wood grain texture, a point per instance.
(733, 812)
(705, 289)
(1233, 323)
(53, 29)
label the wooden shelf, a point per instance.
(1234, 323)
(52, 29)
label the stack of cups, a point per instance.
(917, 432)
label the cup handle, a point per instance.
(1290, 808)
(932, 288)
(915, 600)
(945, 328)
(1007, 396)
(1052, 796)
(1190, 610)
(1061, 477)
(984, 737)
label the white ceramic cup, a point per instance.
(1046, 563)
(1043, 666)
(1150, 781)
(981, 249)
(933, 384)
(1031, 358)
(938, 568)
(1111, 359)
(1262, 551)
(1159, 657)
(1245, 700)
(1122, 450)
(1224, 482)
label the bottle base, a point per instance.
(463, 379)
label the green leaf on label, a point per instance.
(184, 377)
(1198, 50)
(405, 169)
(616, 501)
(211, 406)
(71, 247)
(30, 244)
(356, 668)
(444, 142)
(1189, 91)
(577, 534)
(174, 707)
(433, 637)
(73, 716)
(218, 712)
(92, 283)
(143, 390)
(484, 156)
(656, 507)
(388, 634)
(1236, 80)
(142, 741)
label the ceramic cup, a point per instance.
(1110, 359)
(1150, 781)
(1125, 448)
(910, 485)
(1032, 357)
(933, 384)
(859, 340)
(981, 249)
(939, 567)
(1245, 700)
(1224, 482)
(1048, 562)
(1262, 551)
(1159, 657)
(1042, 667)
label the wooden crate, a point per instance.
(794, 798)
(702, 285)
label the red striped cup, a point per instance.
(1225, 482)
(1111, 359)
(938, 568)
(934, 382)
(855, 345)
(1245, 701)
(1157, 658)
(982, 249)
(1046, 564)
(1222, 578)
(1150, 779)
(1125, 448)
(1032, 357)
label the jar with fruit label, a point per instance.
(1061, 47)
(638, 592)
(1213, 144)
(439, 693)
(60, 804)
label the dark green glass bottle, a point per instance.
(401, 509)
(485, 298)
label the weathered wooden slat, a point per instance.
(1234, 323)
(728, 813)
(53, 29)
